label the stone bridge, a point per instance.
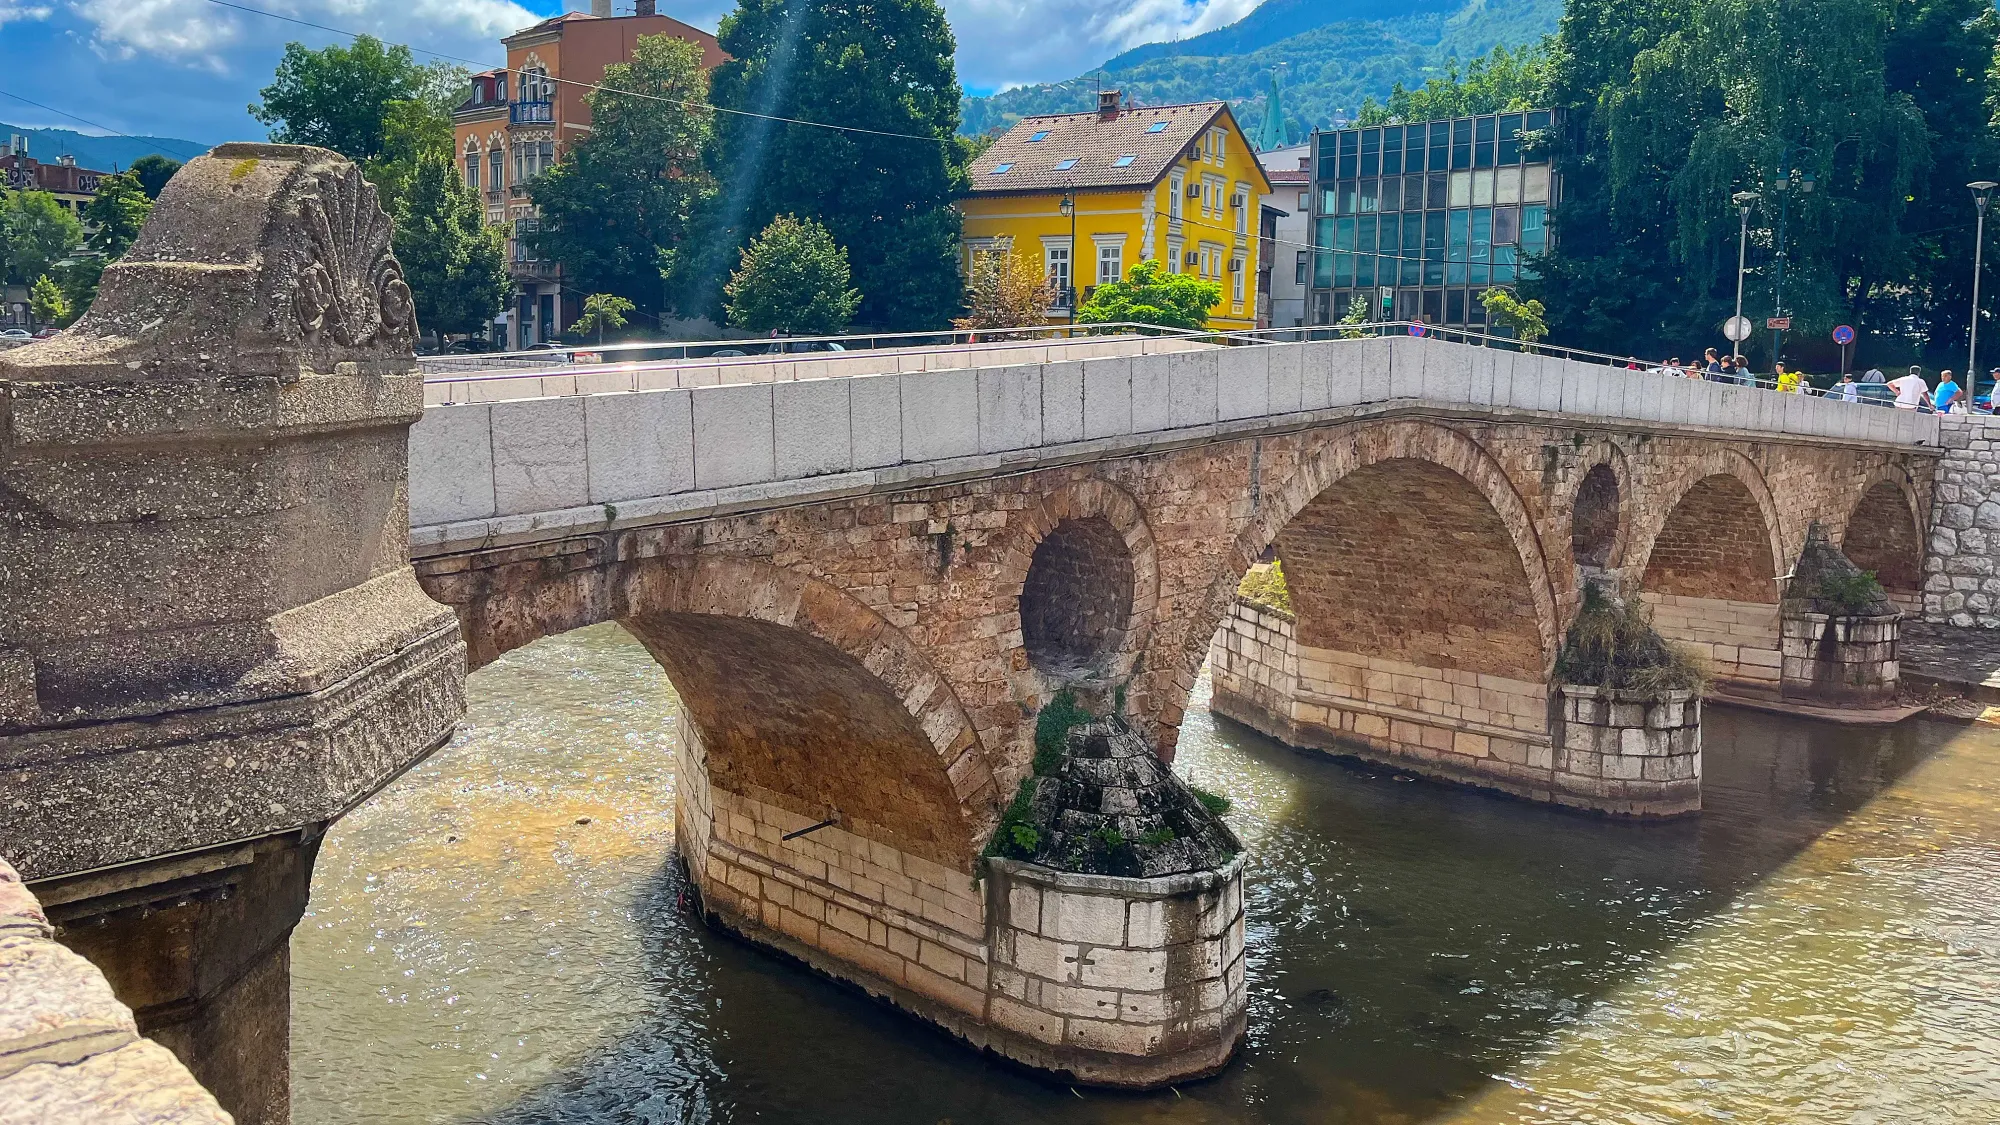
(215, 637)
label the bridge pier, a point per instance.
(199, 947)
(212, 643)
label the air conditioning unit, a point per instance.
(1191, 258)
(1194, 191)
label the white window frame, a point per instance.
(1175, 186)
(1175, 248)
(1236, 283)
(1112, 245)
(1059, 263)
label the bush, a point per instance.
(1847, 595)
(1052, 727)
(1265, 585)
(794, 280)
(1613, 645)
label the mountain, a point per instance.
(104, 154)
(1328, 55)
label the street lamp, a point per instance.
(1743, 200)
(1982, 190)
(1068, 207)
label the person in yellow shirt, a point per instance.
(1789, 381)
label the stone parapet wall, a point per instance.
(70, 1053)
(1129, 982)
(1740, 640)
(1630, 753)
(1961, 581)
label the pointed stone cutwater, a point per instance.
(1839, 630)
(1118, 937)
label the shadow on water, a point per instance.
(1409, 943)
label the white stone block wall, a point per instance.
(1859, 666)
(1740, 640)
(1630, 753)
(1135, 969)
(1961, 582)
(1443, 722)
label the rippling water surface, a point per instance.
(498, 937)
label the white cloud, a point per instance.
(1009, 42)
(11, 10)
(207, 35)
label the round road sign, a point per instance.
(1844, 335)
(1737, 328)
(1416, 329)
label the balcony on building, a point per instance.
(530, 113)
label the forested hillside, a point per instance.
(1328, 58)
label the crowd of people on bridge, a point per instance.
(1910, 391)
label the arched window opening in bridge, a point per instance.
(1882, 536)
(1594, 524)
(1077, 601)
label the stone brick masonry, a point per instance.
(1961, 586)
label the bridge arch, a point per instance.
(1447, 502)
(1713, 533)
(1885, 533)
(798, 693)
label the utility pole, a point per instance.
(1982, 190)
(1743, 200)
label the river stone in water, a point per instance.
(1109, 779)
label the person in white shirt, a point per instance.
(1911, 390)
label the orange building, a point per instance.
(519, 120)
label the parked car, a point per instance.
(16, 334)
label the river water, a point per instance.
(499, 937)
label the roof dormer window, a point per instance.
(1157, 127)
(1002, 169)
(1066, 163)
(1040, 135)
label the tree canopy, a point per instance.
(454, 263)
(1855, 122)
(115, 214)
(153, 171)
(793, 279)
(36, 231)
(886, 194)
(618, 208)
(1150, 295)
(1495, 83)
(338, 97)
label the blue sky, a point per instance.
(188, 68)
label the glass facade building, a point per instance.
(1429, 215)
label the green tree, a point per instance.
(1150, 295)
(884, 193)
(1500, 81)
(1006, 291)
(617, 209)
(38, 231)
(153, 171)
(412, 129)
(602, 311)
(115, 214)
(1523, 318)
(78, 276)
(46, 303)
(455, 264)
(793, 279)
(338, 97)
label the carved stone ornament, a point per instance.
(352, 287)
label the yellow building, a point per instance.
(1089, 195)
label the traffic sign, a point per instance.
(1416, 329)
(1779, 324)
(1737, 328)
(1843, 335)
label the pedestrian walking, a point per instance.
(1847, 390)
(1788, 381)
(1912, 393)
(1711, 366)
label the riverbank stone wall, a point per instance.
(1961, 580)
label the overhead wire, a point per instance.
(87, 121)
